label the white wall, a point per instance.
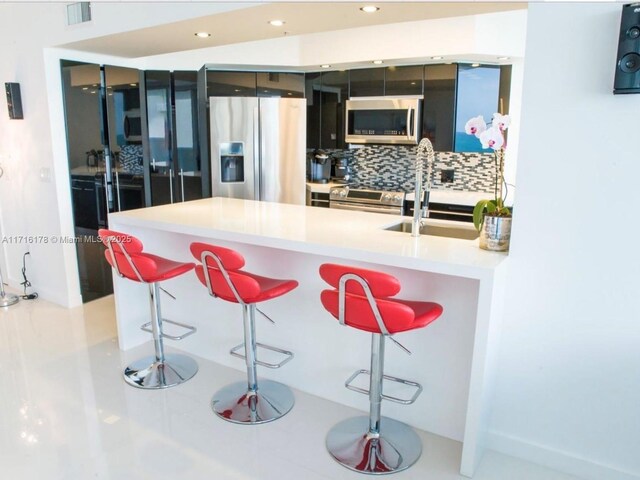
(568, 391)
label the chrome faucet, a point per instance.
(425, 152)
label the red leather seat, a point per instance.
(397, 315)
(251, 288)
(151, 267)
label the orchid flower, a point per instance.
(492, 138)
(475, 126)
(501, 121)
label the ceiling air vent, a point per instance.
(78, 12)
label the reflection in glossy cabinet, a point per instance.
(403, 80)
(280, 84)
(366, 82)
(439, 105)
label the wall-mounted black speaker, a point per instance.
(14, 100)
(628, 62)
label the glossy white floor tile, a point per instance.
(66, 414)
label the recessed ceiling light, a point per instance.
(289, 93)
(503, 58)
(276, 23)
(133, 84)
(85, 88)
(236, 90)
(202, 34)
(325, 66)
(370, 9)
(475, 64)
(377, 62)
(436, 58)
(413, 83)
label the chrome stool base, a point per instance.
(147, 373)
(8, 299)
(237, 404)
(395, 449)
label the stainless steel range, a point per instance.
(375, 201)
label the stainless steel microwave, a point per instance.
(383, 120)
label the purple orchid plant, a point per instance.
(491, 137)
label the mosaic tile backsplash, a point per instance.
(390, 167)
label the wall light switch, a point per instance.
(45, 174)
(447, 176)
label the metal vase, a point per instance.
(495, 234)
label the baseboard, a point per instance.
(555, 459)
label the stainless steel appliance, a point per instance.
(340, 171)
(393, 120)
(364, 200)
(258, 148)
(320, 165)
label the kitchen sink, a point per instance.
(463, 233)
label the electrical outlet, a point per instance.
(447, 176)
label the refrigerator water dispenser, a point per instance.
(232, 162)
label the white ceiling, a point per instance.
(249, 24)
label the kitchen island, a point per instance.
(453, 358)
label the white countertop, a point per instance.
(337, 233)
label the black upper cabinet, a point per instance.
(280, 84)
(439, 105)
(335, 93)
(403, 80)
(366, 82)
(313, 85)
(231, 84)
(452, 94)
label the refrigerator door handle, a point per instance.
(182, 183)
(118, 190)
(258, 152)
(171, 183)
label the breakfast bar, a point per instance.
(454, 359)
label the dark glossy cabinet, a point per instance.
(403, 80)
(252, 84)
(280, 84)
(187, 145)
(326, 94)
(438, 110)
(230, 84)
(83, 196)
(313, 87)
(335, 93)
(174, 162)
(366, 82)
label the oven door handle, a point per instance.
(366, 208)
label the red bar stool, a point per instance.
(124, 254)
(360, 299)
(250, 402)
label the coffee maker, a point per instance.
(340, 170)
(319, 166)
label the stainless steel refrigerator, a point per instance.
(258, 148)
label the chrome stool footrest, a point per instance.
(190, 329)
(402, 381)
(288, 355)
